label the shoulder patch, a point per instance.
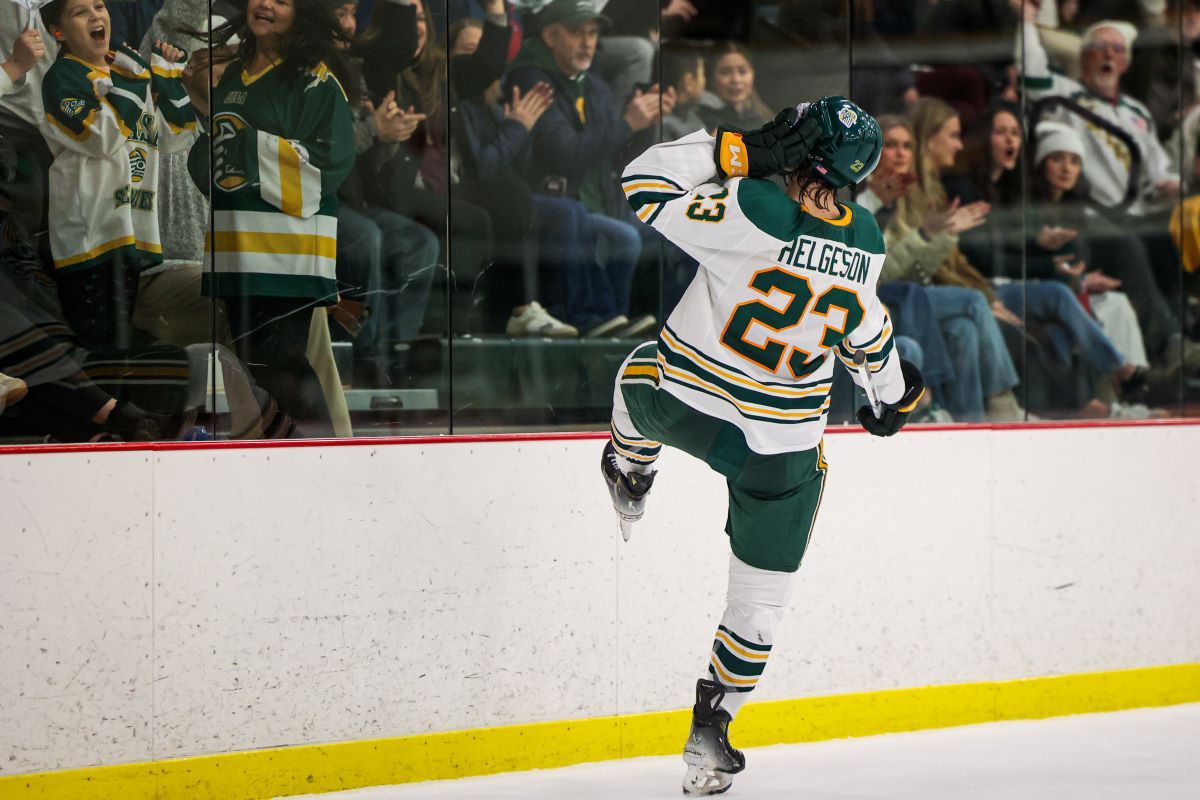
(72, 106)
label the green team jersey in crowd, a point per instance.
(778, 293)
(280, 149)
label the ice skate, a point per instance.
(628, 491)
(712, 761)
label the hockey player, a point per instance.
(740, 375)
(108, 117)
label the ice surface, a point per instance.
(1130, 755)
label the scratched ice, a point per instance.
(1129, 755)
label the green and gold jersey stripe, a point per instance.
(743, 390)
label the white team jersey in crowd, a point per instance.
(106, 127)
(1107, 162)
(778, 293)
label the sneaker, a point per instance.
(933, 415)
(627, 490)
(1121, 410)
(638, 327)
(533, 320)
(608, 327)
(11, 390)
(712, 761)
(1005, 408)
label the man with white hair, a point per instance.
(1106, 51)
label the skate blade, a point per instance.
(703, 782)
(626, 528)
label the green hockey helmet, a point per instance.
(850, 142)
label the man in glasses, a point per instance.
(1107, 47)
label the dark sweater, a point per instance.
(575, 141)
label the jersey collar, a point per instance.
(840, 222)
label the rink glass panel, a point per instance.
(434, 254)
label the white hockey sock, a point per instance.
(634, 455)
(635, 452)
(742, 644)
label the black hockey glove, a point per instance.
(895, 414)
(772, 149)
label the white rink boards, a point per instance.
(1144, 754)
(165, 611)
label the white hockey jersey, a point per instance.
(1107, 162)
(106, 126)
(779, 292)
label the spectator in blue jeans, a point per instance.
(589, 290)
(388, 261)
(585, 237)
(916, 322)
(919, 242)
(385, 261)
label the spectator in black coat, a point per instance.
(573, 175)
(488, 140)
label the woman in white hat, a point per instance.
(1059, 249)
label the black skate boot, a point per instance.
(628, 492)
(712, 761)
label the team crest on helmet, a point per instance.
(848, 116)
(71, 106)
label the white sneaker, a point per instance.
(536, 321)
(1003, 408)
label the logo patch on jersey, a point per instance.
(137, 165)
(146, 131)
(847, 116)
(227, 176)
(857, 166)
(72, 106)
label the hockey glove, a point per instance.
(772, 149)
(894, 415)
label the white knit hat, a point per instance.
(1055, 137)
(1127, 31)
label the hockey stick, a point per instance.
(860, 363)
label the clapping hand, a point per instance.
(528, 110)
(646, 107)
(1055, 238)
(957, 218)
(391, 123)
(890, 188)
